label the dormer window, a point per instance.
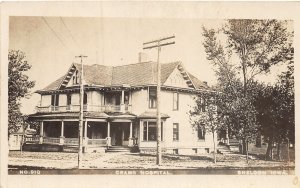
(76, 78)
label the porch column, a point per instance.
(122, 102)
(130, 135)
(41, 132)
(141, 132)
(61, 138)
(122, 98)
(130, 131)
(108, 134)
(85, 138)
(85, 129)
(227, 137)
(62, 129)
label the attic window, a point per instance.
(76, 78)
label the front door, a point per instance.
(116, 132)
(118, 136)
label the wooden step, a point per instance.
(118, 149)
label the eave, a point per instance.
(122, 87)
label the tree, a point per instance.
(205, 116)
(252, 47)
(19, 87)
(276, 110)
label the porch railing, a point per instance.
(32, 139)
(51, 140)
(71, 141)
(86, 107)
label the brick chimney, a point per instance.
(142, 57)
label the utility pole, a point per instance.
(81, 112)
(158, 44)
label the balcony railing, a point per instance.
(86, 107)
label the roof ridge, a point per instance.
(131, 64)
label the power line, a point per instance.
(54, 32)
(63, 22)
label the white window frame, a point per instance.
(147, 132)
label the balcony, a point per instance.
(87, 108)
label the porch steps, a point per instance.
(225, 150)
(118, 149)
(70, 149)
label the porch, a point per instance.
(95, 133)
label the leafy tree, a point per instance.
(276, 110)
(252, 47)
(19, 87)
(205, 116)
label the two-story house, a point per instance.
(120, 108)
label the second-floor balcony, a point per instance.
(87, 108)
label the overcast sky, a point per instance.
(51, 44)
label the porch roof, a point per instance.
(75, 115)
(152, 115)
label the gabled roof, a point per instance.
(96, 74)
(133, 74)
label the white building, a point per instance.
(120, 108)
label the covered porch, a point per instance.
(96, 133)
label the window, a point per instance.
(175, 151)
(201, 133)
(76, 78)
(54, 100)
(84, 98)
(203, 104)
(152, 97)
(149, 130)
(69, 99)
(175, 101)
(175, 131)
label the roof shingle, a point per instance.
(132, 74)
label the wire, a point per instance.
(53, 31)
(68, 30)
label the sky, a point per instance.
(51, 44)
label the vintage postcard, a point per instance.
(155, 90)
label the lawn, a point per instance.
(59, 160)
